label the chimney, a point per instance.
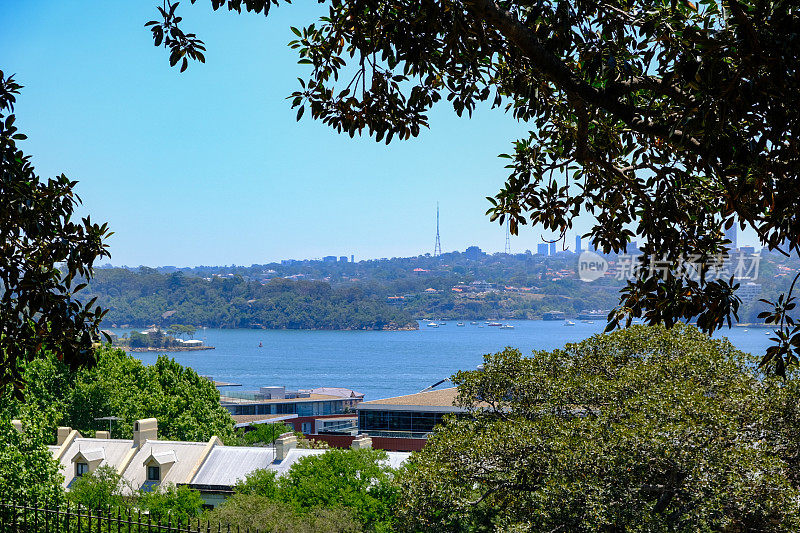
(62, 434)
(102, 434)
(143, 430)
(361, 442)
(283, 444)
(17, 425)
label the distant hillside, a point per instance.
(145, 297)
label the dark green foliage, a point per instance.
(645, 429)
(141, 298)
(669, 121)
(260, 434)
(171, 503)
(185, 404)
(98, 490)
(28, 471)
(354, 480)
(250, 511)
(43, 253)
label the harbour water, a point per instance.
(381, 363)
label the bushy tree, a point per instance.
(358, 481)
(669, 121)
(28, 471)
(169, 502)
(102, 489)
(645, 429)
(44, 254)
(186, 405)
(257, 512)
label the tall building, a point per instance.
(343, 259)
(473, 253)
(578, 248)
(730, 235)
(541, 248)
(552, 248)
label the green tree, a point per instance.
(28, 471)
(43, 255)
(669, 121)
(256, 512)
(179, 503)
(186, 405)
(357, 480)
(262, 434)
(645, 429)
(101, 489)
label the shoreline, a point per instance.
(172, 349)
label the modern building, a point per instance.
(552, 248)
(404, 422)
(541, 248)
(748, 291)
(343, 259)
(278, 400)
(632, 248)
(329, 259)
(578, 248)
(145, 462)
(730, 235)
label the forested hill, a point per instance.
(144, 297)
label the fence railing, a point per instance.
(32, 518)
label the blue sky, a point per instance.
(210, 166)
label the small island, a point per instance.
(154, 339)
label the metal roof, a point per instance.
(226, 465)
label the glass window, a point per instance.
(399, 421)
(153, 473)
(81, 469)
(376, 420)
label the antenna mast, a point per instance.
(508, 239)
(437, 248)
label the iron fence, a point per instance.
(32, 518)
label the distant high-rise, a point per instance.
(552, 248)
(541, 248)
(343, 259)
(730, 235)
(352, 258)
(473, 253)
(578, 248)
(632, 248)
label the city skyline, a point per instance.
(210, 166)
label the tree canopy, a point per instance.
(43, 255)
(186, 405)
(671, 121)
(644, 429)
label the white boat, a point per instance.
(433, 325)
(460, 324)
(442, 323)
(494, 324)
(473, 323)
(506, 326)
(588, 321)
(569, 323)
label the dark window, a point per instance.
(153, 473)
(399, 421)
(81, 469)
(375, 420)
